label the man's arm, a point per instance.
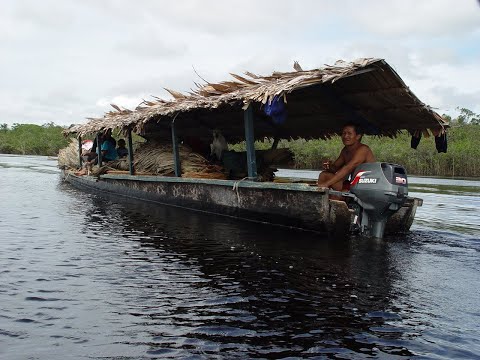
(337, 164)
(341, 174)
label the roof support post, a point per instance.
(176, 156)
(130, 152)
(99, 150)
(275, 143)
(250, 142)
(80, 160)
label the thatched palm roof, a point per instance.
(319, 102)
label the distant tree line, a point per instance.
(466, 117)
(461, 160)
(30, 139)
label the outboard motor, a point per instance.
(380, 189)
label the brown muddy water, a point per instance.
(89, 277)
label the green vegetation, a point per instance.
(461, 160)
(47, 139)
(29, 139)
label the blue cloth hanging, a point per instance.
(276, 110)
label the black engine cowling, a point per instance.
(380, 190)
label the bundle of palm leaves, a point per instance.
(157, 159)
(68, 156)
(151, 158)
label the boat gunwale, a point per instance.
(243, 183)
(230, 183)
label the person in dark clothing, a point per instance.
(122, 151)
(91, 158)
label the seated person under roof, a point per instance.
(91, 157)
(335, 174)
(109, 152)
(122, 151)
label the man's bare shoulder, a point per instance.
(361, 149)
(365, 147)
(367, 152)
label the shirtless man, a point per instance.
(353, 154)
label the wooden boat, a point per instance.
(313, 104)
(294, 205)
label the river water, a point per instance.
(88, 277)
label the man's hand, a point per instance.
(328, 166)
(323, 185)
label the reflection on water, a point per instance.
(85, 276)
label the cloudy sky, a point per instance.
(65, 60)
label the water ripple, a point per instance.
(104, 278)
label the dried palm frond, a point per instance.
(120, 164)
(68, 156)
(176, 95)
(115, 107)
(297, 66)
(157, 159)
(253, 88)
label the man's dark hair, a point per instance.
(358, 129)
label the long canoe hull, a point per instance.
(293, 205)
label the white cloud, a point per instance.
(436, 86)
(64, 60)
(123, 101)
(414, 19)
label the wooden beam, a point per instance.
(99, 150)
(275, 142)
(130, 152)
(80, 160)
(250, 143)
(358, 72)
(176, 155)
